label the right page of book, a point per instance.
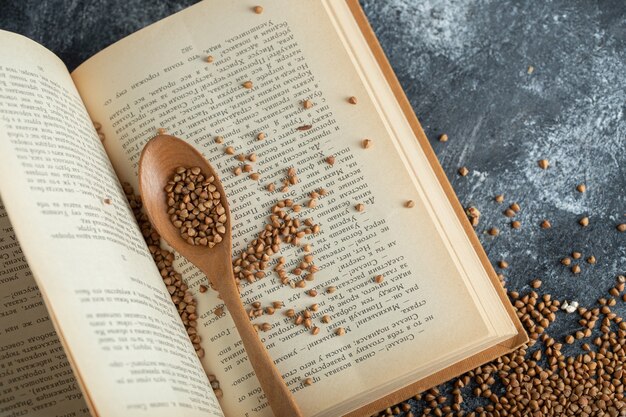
(221, 69)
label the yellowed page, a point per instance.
(417, 163)
(422, 315)
(31, 356)
(121, 330)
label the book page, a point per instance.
(32, 360)
(420, 316)
(122, 334)
(418, 161)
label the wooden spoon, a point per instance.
(160, 157)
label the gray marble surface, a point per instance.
(464, 65)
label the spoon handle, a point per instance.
(278, 395)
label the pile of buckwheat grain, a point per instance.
(576, 373)
(195, 207)
(540, 378)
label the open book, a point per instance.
(86, 323)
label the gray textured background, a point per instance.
(464, 67)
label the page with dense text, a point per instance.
(32, 360)
(121, 332)
(277, 85)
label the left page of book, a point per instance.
(35, 376)
(121, 332)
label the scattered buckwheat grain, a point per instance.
(494, 231)
(473, 214)
(182, 298)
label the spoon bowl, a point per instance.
(159, 159)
